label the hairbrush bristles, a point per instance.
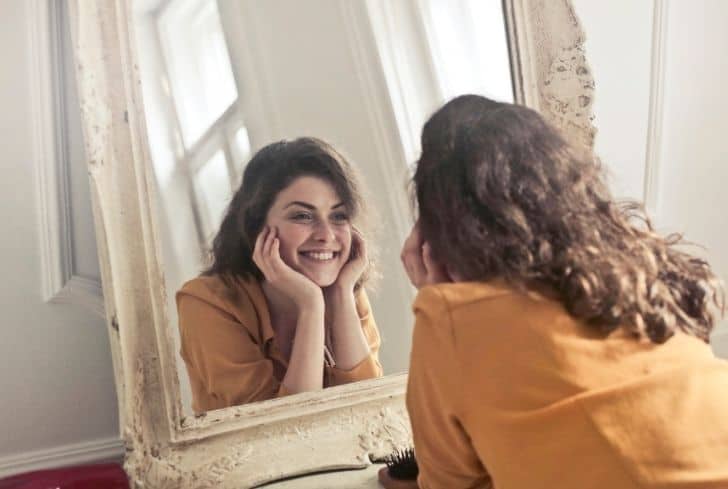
(402, 464)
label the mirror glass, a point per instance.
(223, 79)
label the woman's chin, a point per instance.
(323, 283)
(323, 280)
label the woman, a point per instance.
(282, 310)
(558, 342)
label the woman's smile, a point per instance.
(319, 256)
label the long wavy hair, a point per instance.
(501, 194)
(272, 169)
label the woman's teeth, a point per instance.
(329, 255)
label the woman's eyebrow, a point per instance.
(309, 206)
(302, 204)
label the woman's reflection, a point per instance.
(282, 308)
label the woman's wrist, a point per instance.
(312, 301)
(338, 291)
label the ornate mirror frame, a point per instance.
(248, 445)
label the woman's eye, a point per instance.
(340, 217)
(301, 217)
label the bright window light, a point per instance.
(213, 192)
(198, 63)
(242, 145)
(469, 47)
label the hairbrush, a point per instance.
(402, 465)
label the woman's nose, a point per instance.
(324, 232)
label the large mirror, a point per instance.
(178, 95)
(223, 79)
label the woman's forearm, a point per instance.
(347, 337)
(306, 364)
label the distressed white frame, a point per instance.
(247, 445)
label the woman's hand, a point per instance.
(355, 265)
(301, 290)
(421, 267)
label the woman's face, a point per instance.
(313, 228)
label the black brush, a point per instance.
(402, 465)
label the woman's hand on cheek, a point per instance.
(293, 284)
(421, 267)
(355, 265)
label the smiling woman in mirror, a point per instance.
(282, 308)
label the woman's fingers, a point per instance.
(258, 249)
(278, 268)
(263, 254)
(269, 242)
(415, 267)
(413, 243)
(275, 255)
(412, 259)
(419, 263)
(358, 246)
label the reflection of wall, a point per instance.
(687, 148)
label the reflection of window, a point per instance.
(198, 65)
(241, 144)
(469, 47)
(201, 114)
(434, 50)
(212, 188)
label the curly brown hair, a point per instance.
(501, 194)
(272, 169)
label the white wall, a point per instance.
(693, 145)
(689, 112)
(620, 61)
(57, 402)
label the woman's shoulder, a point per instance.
(224, 292)
(453, 295)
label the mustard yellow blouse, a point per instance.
(229, 346)
(507, 390)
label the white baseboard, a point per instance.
(108, 449)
